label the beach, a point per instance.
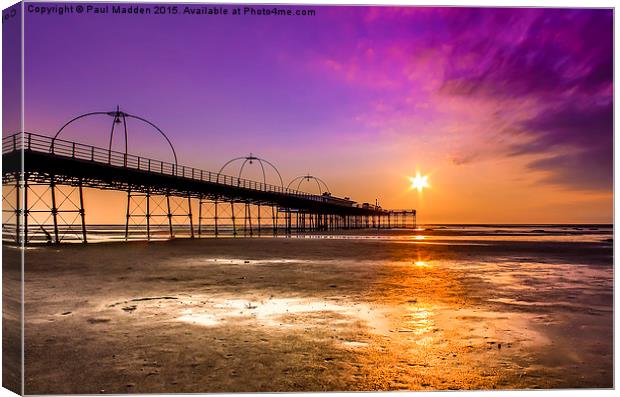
(363, 311)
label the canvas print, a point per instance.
(205, 198)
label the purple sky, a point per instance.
(360, 96)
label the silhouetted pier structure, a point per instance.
(45, 199)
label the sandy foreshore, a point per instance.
(263, 314)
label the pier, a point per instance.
(44, 201)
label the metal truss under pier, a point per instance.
(44, 201)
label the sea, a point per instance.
(423, 234)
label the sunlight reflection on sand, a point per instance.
(268, 312)
(420, 321)
(204, 319)
(425, 311)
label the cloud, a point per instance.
(587, 170)
(575, 126)
(560, 60)
(537, 52)
(586, 137)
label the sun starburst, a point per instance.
(419, 182)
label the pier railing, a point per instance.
(74, 150)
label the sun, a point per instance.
(419, 182)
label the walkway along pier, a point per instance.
(44, 201)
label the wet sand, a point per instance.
(261, 314)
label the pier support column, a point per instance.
(286, 220)
(215, 217)
(190, 215)
(82, 213)
(290, 221)
(232, 217)
(200, 216)
(54, 211)
(247, 219)
(128, 215)
(169, 214)
(18, 211)
(148, 215)
(258, 219)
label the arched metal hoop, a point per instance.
(118, 117)
(250, 159)
(307, 178)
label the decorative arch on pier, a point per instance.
(251, 159)
(307, 178)
(118, 117)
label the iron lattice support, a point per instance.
(11, 207)
(46, 209)
(232, 218)
(190, 215)
(157, 213)
(247, 219)
(274, 219)
(217, 217)
(208, 216)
